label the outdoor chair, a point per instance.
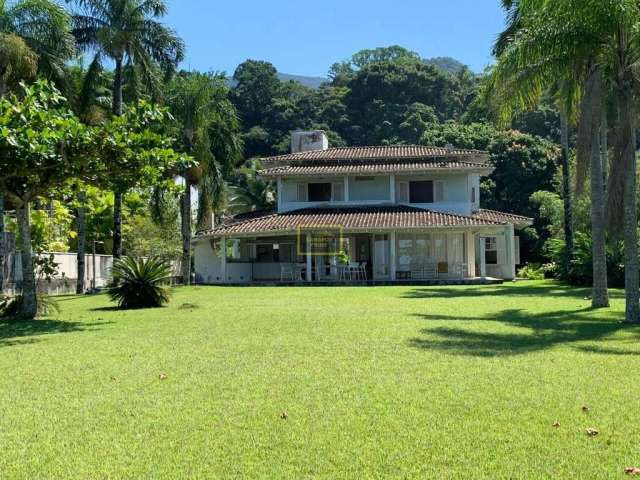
(287, 273)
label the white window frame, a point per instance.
(491, 245)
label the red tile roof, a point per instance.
(502, 217)
(386, 153)
(349, 218)
(372, 168)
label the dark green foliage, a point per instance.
(139, 283)
(524, 163)
(580, 267)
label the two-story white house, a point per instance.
(366, 214)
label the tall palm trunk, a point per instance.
(82, 242)
(592, 113)
(566, 187)
(629, 163)
(3, 247)
(29, 308)
(186, 234)
(117, 195)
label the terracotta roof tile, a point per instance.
(371, 168)
(502, 217)
(393, 152)
(349, 218)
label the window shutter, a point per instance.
(403, 192)
(473, 194)
(439, 191)
(501, 244)
(516, 249)
(338, 192)
(302, 192)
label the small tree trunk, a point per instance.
(628, 134)
(593, 111)
(604, 149)
(566, 188)
(186, 234)
(3, 246)
(117, 87)
(117, 225)
(117, 201)
(29, 308)
(82, 242)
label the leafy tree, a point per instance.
(128, 33)
(42, 145)
(249, 192)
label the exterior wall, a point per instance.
(367, 189)
(376, 190)
(505, 267)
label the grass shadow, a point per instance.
(508, 289)
(20, 332)
(535, 332)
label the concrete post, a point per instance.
(223, 260)
(392, 256)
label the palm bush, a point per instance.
(139, 283)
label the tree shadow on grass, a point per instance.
(21, 332)
(536, 331)
(507, 289)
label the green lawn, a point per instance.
(395, 382)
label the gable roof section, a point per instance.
(376, 160)
(370, 168)
(503, 217)
(386, 153)
(350, 218)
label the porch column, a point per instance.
(510, 257)
(392, 188)
(346, 189)
(309, 262)
(392, 256)
(471, 253)
(223, 259)
(280, 193)
(483, 259)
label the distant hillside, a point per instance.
(447, 64)
(312, 82)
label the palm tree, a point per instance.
(210, 134)
(127, 32)
(249, 192)
(553, 41)
(34, 36)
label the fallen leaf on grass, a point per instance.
(632, 471)
(163, 376)
(592, 432)
(284, 415)
(556, 424)
(585, 408)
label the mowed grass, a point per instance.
(389, 382)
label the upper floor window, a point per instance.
(319, 192)
(422, 191)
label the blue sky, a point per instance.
(305, 38)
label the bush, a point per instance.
(533, 271)
(139, 283)
(10, 306)
(580, 269)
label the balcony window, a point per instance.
(319, 192)
(421, 191)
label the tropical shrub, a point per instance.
(532, 271)
(580, 268)
(10, 306)
(139, 283)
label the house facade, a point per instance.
(365, 214)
